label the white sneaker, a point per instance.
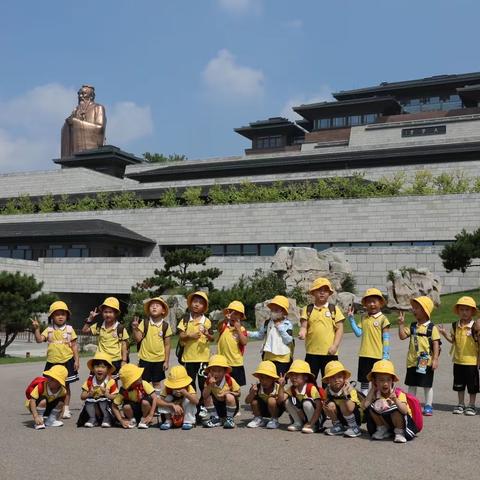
(39, 427)
(203, 413)
(67, 413)
(256, 422)
(400, 438)
(142, 424)
(54, 423)
(90, 424)
(381, 433)
(272, 424)
(132, 423)
(295, 427)
(106, 425)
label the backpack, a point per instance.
(222, 326)
(308, 392)
(37, 381)
(415, 408)
(414, 335)
(331, 309)
(146, 323)
(180, 346)
(120, 328)
(472, 329)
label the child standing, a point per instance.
(221, 393)
(62, 345)
(321, 327)
(278, 334)
(423, 350)
(112, 336)
(374, 330)
(232, 339)
(153, 337)
(466, 354)
(263, 397)
(342, 405)
(98, 391)
(303, 400)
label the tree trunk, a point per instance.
(9, 338)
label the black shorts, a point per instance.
(282, 367)
(153, 371)
(318, 362)
(50, 405)
(137, 407)
(415, 379)
(118, 365)
(465, 376)
(196, 370)
(221, 406)
(410, 428)
(69, 365)
(238, 374)
(356, 412)
(264, 411)
(365, 365)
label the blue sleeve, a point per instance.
(386, 345)
(258, 334)
(356, 329)
(283, 330)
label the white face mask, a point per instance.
(276, 316)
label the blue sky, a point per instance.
(178, 76)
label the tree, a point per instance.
(160, 158)
(20, 298)
(459, 254)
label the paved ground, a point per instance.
(447, 448)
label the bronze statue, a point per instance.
(84, 129)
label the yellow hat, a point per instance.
(219, 361)
(104, 358)
(426, 303)
(334, 367)
(197, 294)
(466, 301)
(111, 302)
(58, 373)
(267, 368)
(300, 366)
(146, 305)
(58, 306)
(373, 292)
(178, 378)
(319, 283)
(383, 366)
(280, 301)
(129, 374)
(237, 307)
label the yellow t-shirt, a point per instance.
(48, 395)
(277, 358)
(177, 396)
(302, 394)
(152, 348)
(224, 387)
(372, 331)
(108, 384)
(229, 346)
(465, 348)
(196, 350)
(59, 349)
(265, 396)
(423, 344)
(338, 401)
(108, 341)
(134, 395)
(321, 329)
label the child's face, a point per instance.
(298, 380)
(109, 314)
(100, 370)
(156, 309)
(233, 316)
(53, 385)
(465, 312)
(419, 312)
(136, 383)
(373, 304)
(384, 383)
(277, 313)
(321, 295)
(265, 381)
(59, 317)
(198, 304)
(337, 381)
(217, 373)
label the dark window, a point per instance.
(338, 122)
(218, 249)
(233, 250)
(56, 251)
(5, 252)
(250, 249)
(370, 118)
(355, 120)
(321, 246)
(267, 250)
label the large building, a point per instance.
(427, 124)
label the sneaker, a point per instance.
(256, 422)
(272, 424)
(187, 426)
(295, 427)
(470, 411)
(67, 413)
(352, 432)
(337, 429)
(458, 410)
(142, 425)
(229, 423)
(90, 424)
(428, 410)
(106, 424)
(203, 413)
(166, 425)
(381, 433)
(400, 438)
(54, 423)
(213, 422)
(39, 427)
(309, 429)
(132, 423)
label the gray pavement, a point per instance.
(446, 448)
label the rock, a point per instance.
(344, 300)
(215, 317)
(90, 347)
(178, 306)
(262, 313)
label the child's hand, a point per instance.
(91, 392)
(38, 420)
(350, 311)
(237, 325)
(195, 335)
(125, 423)
(401, 317)
(434, 363)
(254, 389)
(93, 314)
(332, 350)
(135, 322)
(211, 380)
(347, 388)
(165, 365)
(442, 329)
(282, 380)
(183, 391)
(302, 333)
(103, 390)
(177, 409)
(35, 323)
(148, 419)
(393, 396)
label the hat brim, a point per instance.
(269, 305)
(102, 307)
(233, 310)
(228, 368)
(427, 313)
(455, 307)
(196, 294)
(371, 376)
(311, 376)
(382, 300)
(146, 306)
(179, 384)
(61, 381)
(266, 373)
(347, 373)
(110, 369)
(133, 379)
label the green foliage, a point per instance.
(451, 184)
(423, 184)
(459, 254)
(66, 204)
(169, 198)
(86, 204)
(160, 158)
(46, 204)
(218, 195)
(103, 201)
(126, 201)
(192, 196)
(349, 283)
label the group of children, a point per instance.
(119, 392)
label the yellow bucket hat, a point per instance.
(319, 283)
(146, 305)
(373, 292)
(178, 378)
(197, 294)
(280, 301)
(334, 367)
(426, 303)
(104, 358)
(129, 374)
(267, 368)
(111, 302)
(237, 307)
(58, 306)
(218, 361)
(300, 366)
(58, 373)
(466, 301)
(383, 366)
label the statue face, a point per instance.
(85, 94)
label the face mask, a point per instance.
(276, 315)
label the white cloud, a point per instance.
(241, 6)
(323, 95)
(30, 126)
(223, 76)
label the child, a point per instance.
(137, 397)
(153, 341)
(374, 330)
(232, 339)
(466, 354)
(178, 400)
(46, 397)
(342, 405)
(423, 351)
(303, 400)
(263, 396)
(387, 410)
(62, 345)
(277, 332)
(112, 336)
(220, 394)
(321, 327)
(195, 336)
(97, 392)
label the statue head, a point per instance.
(86, 92)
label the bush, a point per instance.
(192, 196)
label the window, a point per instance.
(56, 251)
(76, 251)
(338, 122)
(274, 141)
(355, 120)
(267, 250)
(250, 249)
(217, 249)
(321, 246)
(370, 118)
(23, 252)
(4, 252)
(233, 250)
